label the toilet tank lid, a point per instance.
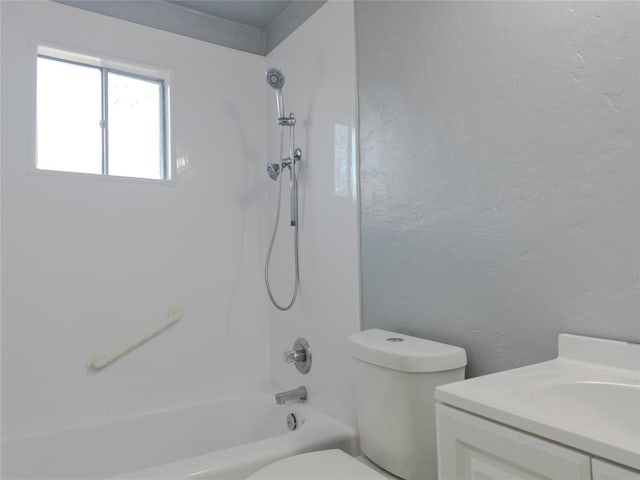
(405, 353)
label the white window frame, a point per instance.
(108, 65)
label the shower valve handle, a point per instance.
(293, 356)
(300, 355)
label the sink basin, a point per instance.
(612, 407)
(587, 398)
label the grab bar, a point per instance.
(98, 362)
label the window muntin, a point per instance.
(93, 119)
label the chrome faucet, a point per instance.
(299, 393)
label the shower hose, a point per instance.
(294, 186)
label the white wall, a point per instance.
(318, 61)
(500, 147)
(88, 263)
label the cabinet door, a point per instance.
(473, 448)
(608, 471)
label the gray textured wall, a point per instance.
(500, 148)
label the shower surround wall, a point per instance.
(499, 146)
(318, 61)
(90, 263)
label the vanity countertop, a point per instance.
(587, 398)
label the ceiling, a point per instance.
(254, 26)
(257, 13)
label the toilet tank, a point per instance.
(395, 379)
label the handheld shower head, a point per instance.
(275, 79)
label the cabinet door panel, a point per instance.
(473, 448)
(608, 471)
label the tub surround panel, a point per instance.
(500, 147)
(242, 434)
(90, 263)
(318, 61)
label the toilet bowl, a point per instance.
(395, 380)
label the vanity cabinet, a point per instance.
(470, 447)
(572, 418)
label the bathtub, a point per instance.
(221, 439)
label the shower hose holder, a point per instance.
(289, 121)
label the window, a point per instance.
(100, 120)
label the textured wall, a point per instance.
(499, 177)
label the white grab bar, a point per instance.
(98, 362)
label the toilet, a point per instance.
(395, 380)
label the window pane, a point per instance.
(69, 109)
(135, 121)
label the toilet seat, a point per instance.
(322, 465)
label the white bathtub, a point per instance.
(222, 439)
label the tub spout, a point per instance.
(299, 393)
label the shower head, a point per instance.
(273, 170)
(275, 79)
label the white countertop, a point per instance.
(572, 400)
